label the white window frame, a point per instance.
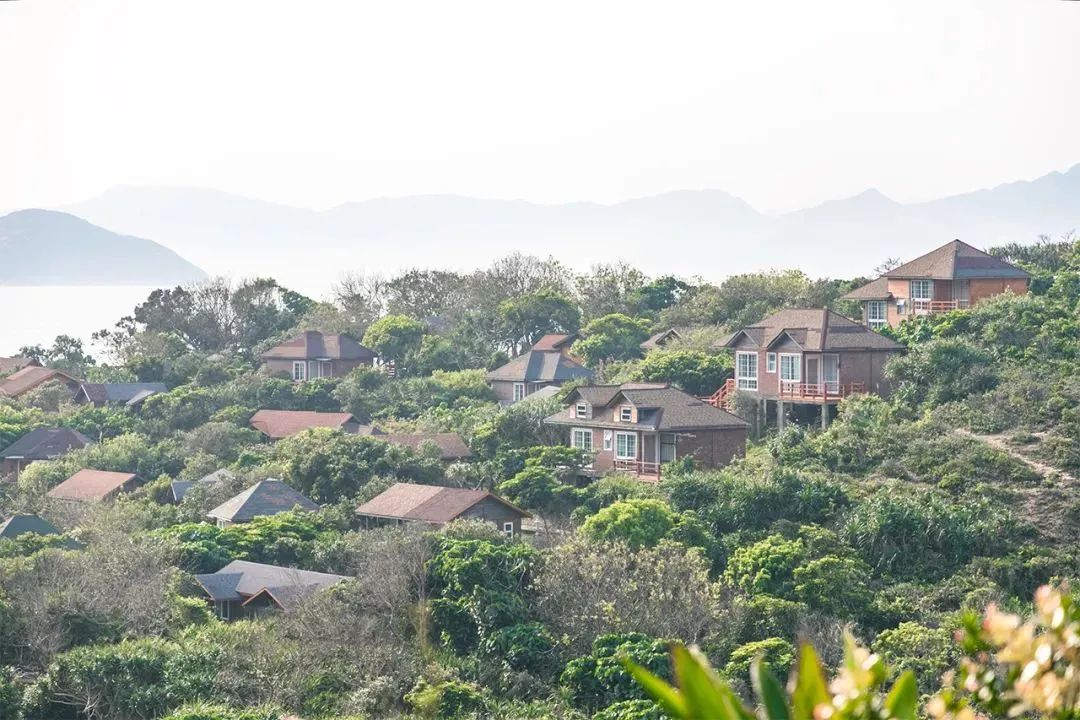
(581, 410)
(770, 362)
(626, 414)
(922, 283)
(575, 433)
(608, 435)
(519, 391)
(222, 608)
(508, 529)
(633, 442)
(872, 318)
(301, 366)
(746, 381)
(791, 360)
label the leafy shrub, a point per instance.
(600, 678)
(631, 710)
(928, 652)
(448, 699)
(528, 646)
(777, 652)
(767, 566)
(637, 522)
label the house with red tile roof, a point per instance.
(314, 355)
(437, 505)
(451, 446)
(9, 365)
(30, 377)
(278, 424)
(89, 486)
(955, 276)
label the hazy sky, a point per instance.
(784, 103)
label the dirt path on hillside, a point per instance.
(1001, 442)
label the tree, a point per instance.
(600, 678)
(696, 372)
(66, 354)
(527, 318)
(639, 522)
(660, 294)
(612, 337)
(396, 338)
(610, 289)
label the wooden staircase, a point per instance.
(724, 397)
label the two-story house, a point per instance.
(956, 276)
(548, 363)
(314, 355)
(637, 427)
(806, 357)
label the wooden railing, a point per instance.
(638, 467)
(936, 306)
(818, 392)
(724, 397)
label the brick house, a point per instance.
(955, 276)
(546, 364)
(436, 505)
(637, 427)
(314, 355)
(39, 444)
(806, 357)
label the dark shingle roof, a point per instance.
(45, 443)
(873, 290)
(267, 497)
(451, 445)
(101, 393)
(314, 345)
(277, 424)
(241, 579)
(541, 366)
(427, 503)
(17, 525)
(661, 338)
(957, 260)
(660, 407)
(815, 330)
(180, 487)
(553, 342)
(91, 485)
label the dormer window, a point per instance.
(581, 410)
(626, 414)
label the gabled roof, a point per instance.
(101, 393)
(266, 497)
(30, 377)
(813, 330)
(873, 290)
(661, 338)
(45, 443)
(428, 503)
(660, 408)
(451, 445)
(11, 364)
(180, 487)
(541, 366)
(314, 345)
(90, 485)
(242, 580)
(17, 525)
(550, 343)
(277, 424)
(957, 260)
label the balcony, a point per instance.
(818, 392)
(926, 307)
(647, 471)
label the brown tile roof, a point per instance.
(277, 424)
(661, 338)
(814, 330)
(660, 407)
(11, 364)
(956, 260)
(266, 497)
(427, 503)
(90, 485)
(451, 445)
(873, 290)
(314, 345)
(28, 378)
(553, 342)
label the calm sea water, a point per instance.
(36, 315)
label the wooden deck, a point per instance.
(819, 393)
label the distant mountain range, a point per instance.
(45, 247)
(704, 232)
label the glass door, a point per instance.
(831, 371)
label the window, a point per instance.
(746, 370)
(626, 414)
(581, 438)
(607, 439)
(790, 367)
(921, 290)
(222, 608)
(770, 362)
(508, 529)
(519, 391)
(626, 446)
(875, 313)
(667, 447)
(299, 371)
(581, 410)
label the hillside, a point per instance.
(44, 247)
(714, 234)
